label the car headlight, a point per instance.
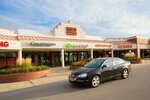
(82, 75)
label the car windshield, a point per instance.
(95, 63)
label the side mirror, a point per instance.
(104, 66)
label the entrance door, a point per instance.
(49, 60)
(57, 59)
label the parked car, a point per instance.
(101, 69)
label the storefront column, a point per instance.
(20, 56)
(62, 58)
(138, 50)
(137, 53)
(91, 53)
(112, 53)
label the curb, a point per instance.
(30, 83)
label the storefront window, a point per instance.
(95, 54)
(70, 57)
(7, 59)
(84, 55)
(144, 53)
(38, 58)
(108, 54)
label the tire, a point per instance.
(71, 82)
(95, 81)
(125, 74)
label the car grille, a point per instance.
(74, 75)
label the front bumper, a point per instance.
(78, 80)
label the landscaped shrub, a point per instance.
(28, 62)
(131, 58)
(23, 69)
(25, 63)
(81, 63)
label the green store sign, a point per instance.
(42, 44)
(69, 45)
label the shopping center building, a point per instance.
(64, 44)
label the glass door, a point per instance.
(57, 59)
(48, 59)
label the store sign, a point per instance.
(125, 46)
(69, 45)
(102, 45)
(42, 44)
(71, 31)
(4, 44)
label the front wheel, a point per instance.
(95, 81)
(125, 74)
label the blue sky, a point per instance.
(105, 18)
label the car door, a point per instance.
(108, 71)
(118, 65)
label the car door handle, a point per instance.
(115, 68)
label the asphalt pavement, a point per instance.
(135, 87)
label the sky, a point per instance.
(105, 18)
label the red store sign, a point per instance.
(71, 31)
(102, 45)
(4, 44)
(125, 46)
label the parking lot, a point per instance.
(136, 87)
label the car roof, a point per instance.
(107, 58)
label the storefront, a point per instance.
(8, 51)
(66, 43)
(138, 45)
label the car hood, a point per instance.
(82, 70)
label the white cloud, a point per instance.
(95, 16)
(14, 23)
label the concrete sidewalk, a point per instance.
(57, 74)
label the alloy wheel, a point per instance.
(95, 81)
(125, 74)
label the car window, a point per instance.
(118, 61)
(109, 63)
(95, 63)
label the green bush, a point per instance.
(23, 69)
(81, 63)
(131, 58)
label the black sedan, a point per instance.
(99, 70)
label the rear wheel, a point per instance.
(95, 81)
(125, 74)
